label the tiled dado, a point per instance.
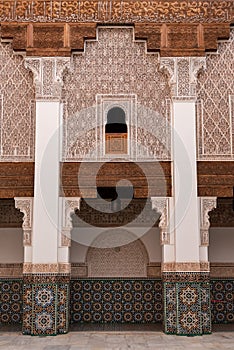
(222, 300)
(113, 300)
(186, 303)
(11, 301)
(45, 304)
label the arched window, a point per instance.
(116, 131)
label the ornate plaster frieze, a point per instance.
(206, 205)
(48, 74)
(25, 205)
(110, 11)
(63, 268)
(69, 205)
(161, 205)
(182, 72)
(185, 267)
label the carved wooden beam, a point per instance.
(16, 179)
(48, 39)
(60, 39)
(175, 40)
(148, 179)
(171, 27)
(215, 178)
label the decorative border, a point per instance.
(185, 267)
(64, 268)
(117, 11)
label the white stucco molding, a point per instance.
(182, 73)
(161, 205)
(206, 205)
(69, 205)
(25, 205)
(48, 75)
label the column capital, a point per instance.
(206, 205)
(25, 205)
(161, 205)
(183, 72)
(48, 75)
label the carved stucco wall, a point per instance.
(116, 66)
(215, 107)
(17, 110)
(128, 260)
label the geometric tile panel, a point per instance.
(222, 300)
(11, 303)
(45, 308)
(187, 308)
(116, 301)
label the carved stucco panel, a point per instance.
(48, 74)
(206, 205)
(17, 107)
(215, 112)
(116, 65)
(69, 205)
(25, 205)
(161, 205)
(182, 73)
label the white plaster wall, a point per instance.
(221, 247)
(11, 245)
(151, 240)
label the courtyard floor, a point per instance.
(116, 340)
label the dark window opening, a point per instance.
(111, 193)
(116, 122)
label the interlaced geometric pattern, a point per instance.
(115, 65)
(16, 107)
(116, 301)
(215, 114)
(11, 301)
(222, 303)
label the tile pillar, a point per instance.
(185, 276)
(46, 278)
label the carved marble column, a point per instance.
(46, 279)
(186, 278)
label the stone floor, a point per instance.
(117, 340)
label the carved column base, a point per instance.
(186, 303)
(45, 304)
